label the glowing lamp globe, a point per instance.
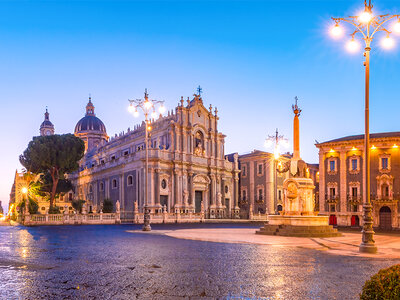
(365, 17)
(396, 27)
(336, 31)
(136, 113)
(387, 42)
(352, 46)
(161, 109)
(131, 109)
(24, 190)
(154, 115)
(147, 104)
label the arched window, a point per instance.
(114, 183)
(101, 186)
(90, 189)
(130, 180)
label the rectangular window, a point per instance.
(244, 195)
(332, 166)
(332, 192)
(385, 163)
(280, 195)
(260, 169)
(260, 194)
(354, 165)
(244, 170)
(354, 191)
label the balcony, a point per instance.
(260, 199)
(331, 198)
(354, 200)
(385, 198)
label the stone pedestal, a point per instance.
(298, 218)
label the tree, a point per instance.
(55, 155)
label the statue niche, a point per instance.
(199, 143)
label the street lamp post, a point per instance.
(148, 107)
(276, 140)
(367, 25)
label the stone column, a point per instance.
(343, 185)
(107, 186)
(151, 187)
(176, 188)
(190, 188)
(157, 186)
(251, 175)
(321, 181)
(122, 191)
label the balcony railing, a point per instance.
(331, 198)
(354, 199)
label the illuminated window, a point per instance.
(385, 163)
(332, 166)
(354, 164)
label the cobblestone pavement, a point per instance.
(107, 262)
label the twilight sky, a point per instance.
(250, 57)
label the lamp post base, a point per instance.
(146, 220)
(146, 227)
(368, 248)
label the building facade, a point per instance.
(261, 182)
(188, 170)
(261, 186)
(341, 176)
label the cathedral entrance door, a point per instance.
(164, 201)
(198, 198)
(385, 218)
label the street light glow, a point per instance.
(24, 190)
(161, 109)
(365, 17)
(148, 104)
(396, 26)
(336, 31)
(352, 46)
(136, 113)
(154, 114)
(131, 108)
(387, 42)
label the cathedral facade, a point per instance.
(188, 169)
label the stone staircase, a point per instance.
(299, 231)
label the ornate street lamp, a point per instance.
(276, 141)
(366, 25)
(148, 107)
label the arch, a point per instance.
(199, 144)
(114, 183)
(90, 189)
(279, 208)
(385, 218)
(101, 186)
(129, 180)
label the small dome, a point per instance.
(46, 123)
(90, 123)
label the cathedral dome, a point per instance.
(90, 122)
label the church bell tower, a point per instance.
(46, 128)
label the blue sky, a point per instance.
(251, 58)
